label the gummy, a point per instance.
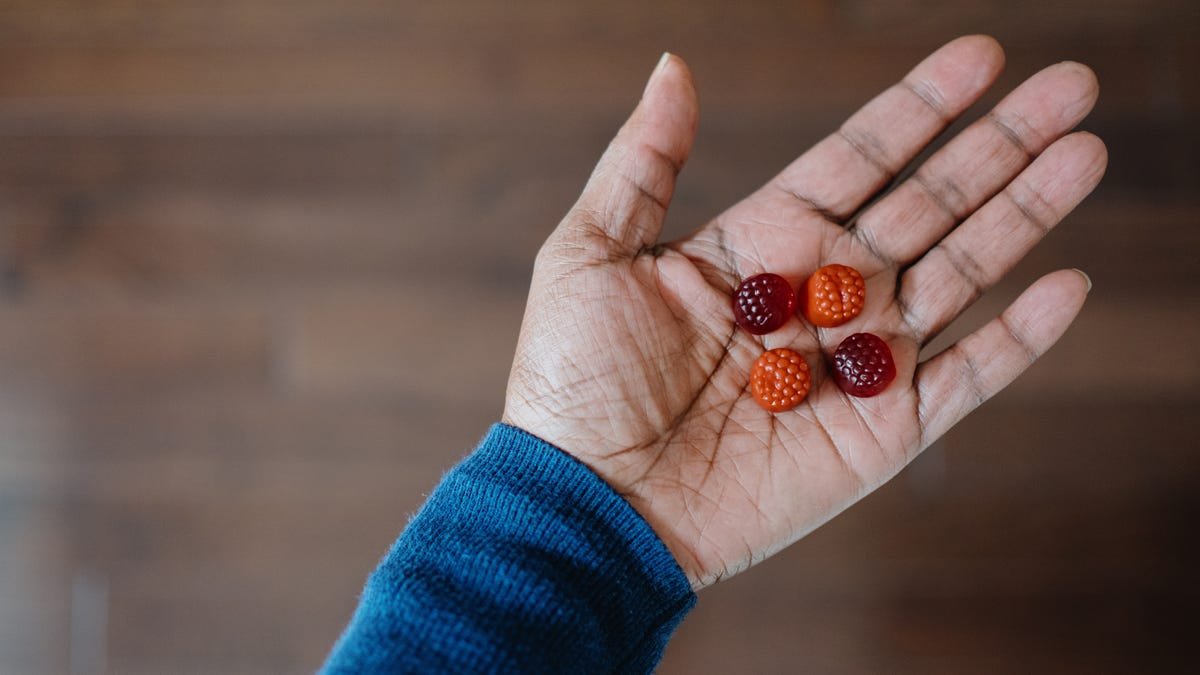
(779, 380)
(763, 303)
(833, 295)
(863, 365)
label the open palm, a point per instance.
(629, 358)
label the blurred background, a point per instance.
(263, 262)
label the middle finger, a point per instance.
(976, 164)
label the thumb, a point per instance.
(622, 208)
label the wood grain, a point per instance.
(262, 267)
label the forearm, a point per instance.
(522, 560)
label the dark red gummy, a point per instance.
(763, 303)
(863, 365)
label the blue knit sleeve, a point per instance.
(522, 560)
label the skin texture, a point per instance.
(629, 358)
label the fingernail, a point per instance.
(1085, 277)
(658, 69)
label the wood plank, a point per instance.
(1130, 245)
(996, 481)
(1117, 349)
(233, 162)
(235, 621)
(35, 578)
(437, 341)
(225, 21)
(555, 73)
(148, 346)
(214, 221)
(235, 425)
(857, 615)
(1070, 20)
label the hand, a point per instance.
(629, 358)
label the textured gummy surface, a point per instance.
(763, 303)
(779, 380)
(833, 295)
(863, 365)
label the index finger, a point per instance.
(840, 173)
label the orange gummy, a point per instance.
(779, 380)
(833, 295)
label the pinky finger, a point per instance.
(958, 380)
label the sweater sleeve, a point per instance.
(522, 560)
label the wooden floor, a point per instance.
(229, 230)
